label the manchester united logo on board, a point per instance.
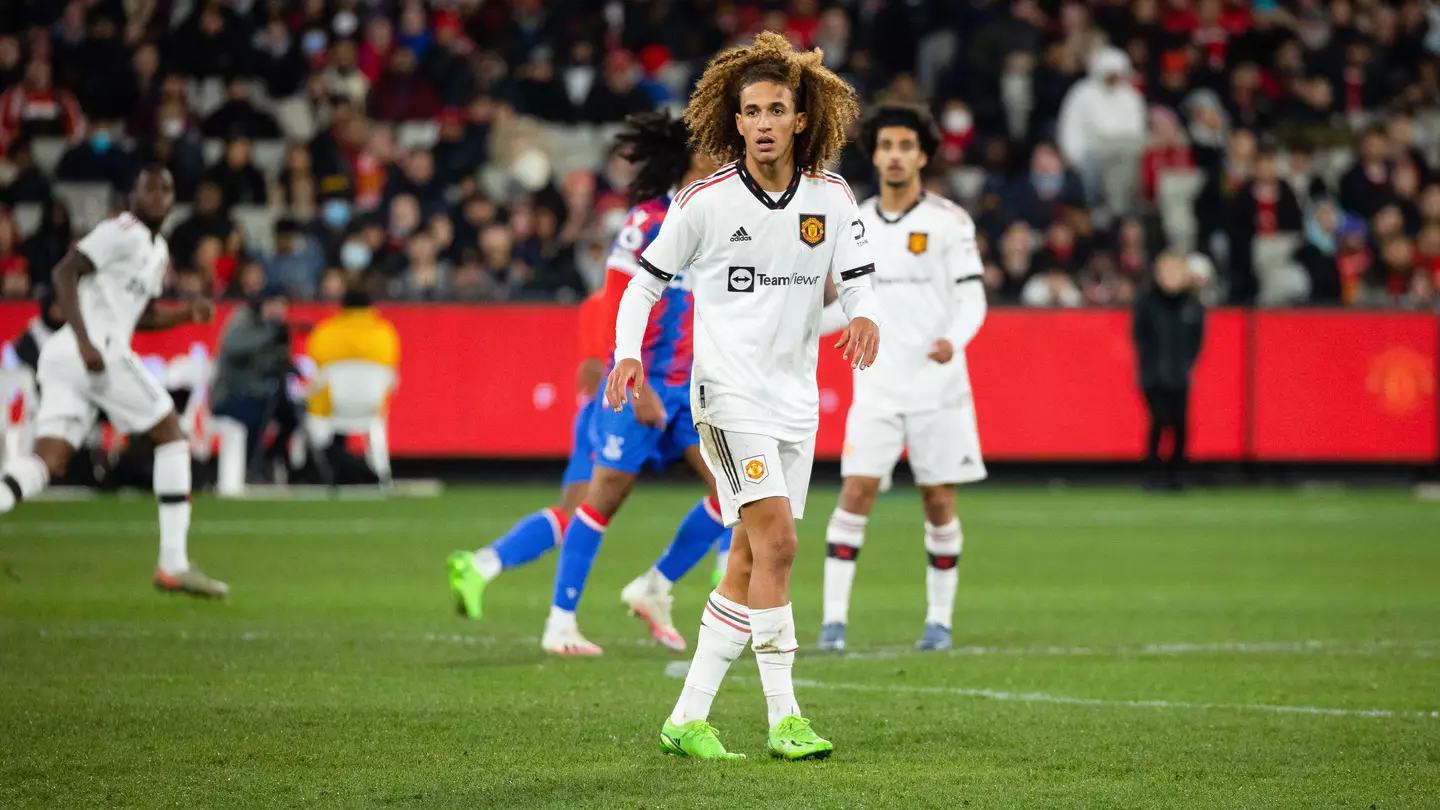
(919, 242)
(812, 229)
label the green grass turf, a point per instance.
(337, 675)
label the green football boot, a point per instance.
(793, 739)
(465, 583)
(696, 738)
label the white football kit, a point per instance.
(130, 267)
(757, 263)
(928, 284)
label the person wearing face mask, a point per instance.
(1042, 195)
(98, 159)
(1102, 130)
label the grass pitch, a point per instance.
(1229, 649)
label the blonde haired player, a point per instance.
(917, 396)
(760, 237)
(106, 287)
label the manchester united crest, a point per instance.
(812, 229)
(919, 242)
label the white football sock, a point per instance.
(656, 581)
(724, 631)
(722, 559)
(843, 538)
(560, 619)
(487, 563)
(172, 490)
(942, 577)
(24, 477)
(775, 645)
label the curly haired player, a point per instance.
(760, 238)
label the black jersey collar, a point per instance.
(760, 193)
(887, 220)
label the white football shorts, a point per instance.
(71, 396)
(749, 467)
(943, 445)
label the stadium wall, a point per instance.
(1051, 385)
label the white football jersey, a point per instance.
(757, 263)
(130, 267)
(921, 255)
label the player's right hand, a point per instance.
(626, 372)
(94, 361)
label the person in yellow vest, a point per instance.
(356, 354)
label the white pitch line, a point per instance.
(679, 669)
(1423, 647)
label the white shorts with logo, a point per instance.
(749, 467)
(943, 445)
(71, 396)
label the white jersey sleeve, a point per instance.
(107, 246)
(962, 256)
(675, 245)
(852, 266)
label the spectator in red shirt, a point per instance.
(1168, 150)
(375, 50)
(35, 107)
(402, 94)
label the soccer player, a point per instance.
(620, 444)
(106, 288)
(759, 236)
(917, 396)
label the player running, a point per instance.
(917, 397)
(618, 445)
(764, 232)
(106, 288)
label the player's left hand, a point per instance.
(861, 341)
(942, 352)
(202, 310)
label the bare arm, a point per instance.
(156, 318)
(66, 279)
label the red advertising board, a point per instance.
(1358, 387)
(498, 382)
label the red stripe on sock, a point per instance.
(713, 612)
(561, 519)
(712, 505)
(592, 517)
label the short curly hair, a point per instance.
(659, 146)
(910, 116)
(828, 102)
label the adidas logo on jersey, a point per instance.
(740, 235)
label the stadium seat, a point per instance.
(178, 214)
(359, 390)
(89, 203)
(257, 223)
(212, 150)
(417, 134)
(47, 153)
(269, 157)
(27, 217)
(296, 118)
(1274, 270)
(1175, 195)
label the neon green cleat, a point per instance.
(696, 738)
(793, 739)
(715, 578)
(465, 583)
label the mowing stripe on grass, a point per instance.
(1424, 648)
(679, 669)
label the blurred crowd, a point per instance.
(457, 150)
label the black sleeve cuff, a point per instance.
(857, 272)
(656, 272)
(969, 278)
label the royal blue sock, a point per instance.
(693, 539)
(577, 554)
(530, 538)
